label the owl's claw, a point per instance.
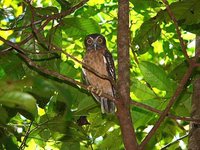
(94, 90)
(99, 92)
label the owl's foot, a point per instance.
(94, 90)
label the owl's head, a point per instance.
(95, 42)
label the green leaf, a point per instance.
(112, 142)
(13, 85)
(182, 106)
(54, 36)
(64, 4)
(142, 116)
(178, 72)
(70, 146)
(67, 68)
(2, 73)
(12, 66)
(78, 27)
(190, 9)
(10, 144)
(148, 33)
(141, 91)
(190, 21)
(20, 100)
(99, 126)
(142, 5)
(85, 105)
(4, 115)
(47, 10)
(42, 86)
(45, 134)
(156, 76)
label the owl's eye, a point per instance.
(89, 41)
(100, 40)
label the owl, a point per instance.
(100, 59)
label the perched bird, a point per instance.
(100, 59)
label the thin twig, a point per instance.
(23, 144)
(174, 142)
(22, 27)
(147, 107)
(182, 43)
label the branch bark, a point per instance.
(194, 134)
(123, 82)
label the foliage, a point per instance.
(52, 111)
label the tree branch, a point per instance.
(123, 82)
(194, 138)
(149, 108)
(23, 144)
(174, 142)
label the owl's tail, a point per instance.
(107, 106)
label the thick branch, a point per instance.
(123, 82)
(194, 138)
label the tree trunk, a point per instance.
(194, 134)
(123, 82)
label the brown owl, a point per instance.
(100, 59)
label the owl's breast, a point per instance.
(97, 61)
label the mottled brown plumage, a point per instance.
(100, 59)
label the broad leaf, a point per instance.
(54, 36)
(20, 100)
(142, 91)
(148, 33)
(156, 76)
(78, 27)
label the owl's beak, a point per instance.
(95, 46)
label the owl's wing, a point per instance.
(110, 66)
(84, 76)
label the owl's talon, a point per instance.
(94, 90)
(99, 92)
(91, 88)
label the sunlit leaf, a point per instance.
(142, 91)
(78, 27)
(107, 143)
(148, 33)
(156, 76)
